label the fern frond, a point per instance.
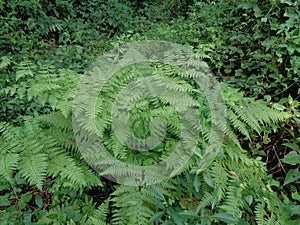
(245, 114)
(53, 216)
(5, 62)
(234, 201)
(64, 166)
(237, 124)
(100, 214)
(260, 214)
(8, 164)
(205, 201)
(247, 117)
(133, 205)
(220, 177)
(34, 168)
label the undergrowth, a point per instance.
(253, 50)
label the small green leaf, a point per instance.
(290, 99)
(175, 216)
(38, 201)
(291, 158)
(52, 216)
(158, 192)
(4, 186)
(189, 214)
(4, 200)
(249, 199)
(12, 4)
(156, 216)
(26, 197)
(11, 209)
(279, 107)
(292, 176)
(21, 205)
(208, 179)
(266, 139)
(70, 212)
(296, 210)
(77, 218)
(296, 196)
(292, 146)
(264, 19)
(197, 183)
(27, 218)
(225, 217)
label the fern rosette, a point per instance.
(137, 113)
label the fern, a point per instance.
(260, 214)
(44, 84)
(5, 62)
(34, 168)
(206, 201)
(231, 176)
(220, 178)
(242, 114)
(37, 155)
(133, 205)
(53, 216)
(99, 216)
(237, 185)
(8, 164)
(234, 202)
(234, 184)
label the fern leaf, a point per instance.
(133, 205)
(260, 214)
(5, 62)
(99, 216)
(8, 164)
(53, 216)
(34, 168)
(66, 167)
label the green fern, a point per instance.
(8, 164)
(236, 185)
(232, 183)
(99, 216)
(34, 168)
(37, 155)
(44, 84)
(133, 205)
(242, 114)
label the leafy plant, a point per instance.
(252, 45)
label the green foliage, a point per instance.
(133, 205)
(259, 41)
(251, 45)
(36, 155)
(242, 114)
(80, 212)
(46, 146)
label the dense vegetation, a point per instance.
(253, 50)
